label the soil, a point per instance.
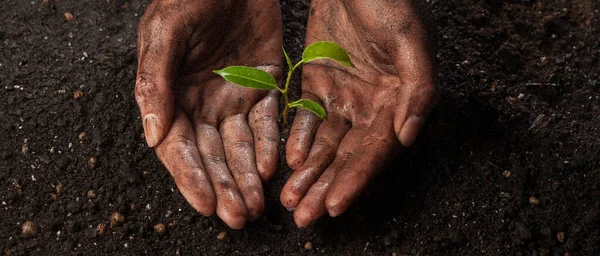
(521, 87)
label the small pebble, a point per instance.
(116, 219)
(68, 16)
(308, 245)
(534, 201)
(561, 237)
(146, 172)
(512, 100)
(77, 94)
(160, 228)
(81, 136)
(91, 194)
(92, 162)
(29, 229)
(54, 196)
(59, 188)
(222, 236)
(100, 229)
(556, 185)
(506, 173)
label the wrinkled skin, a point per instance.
(374, 110)
(217, 140)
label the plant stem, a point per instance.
(286, 109)
(285, 91)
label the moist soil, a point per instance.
(519, 117)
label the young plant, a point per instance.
(259, 79)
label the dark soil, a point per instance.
(521, 88)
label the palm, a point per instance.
(367, 106)
(218, 140)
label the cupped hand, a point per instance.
(217, 140)
(374, 109)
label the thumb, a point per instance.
(158, 47)
(418, 77)
(410, 116)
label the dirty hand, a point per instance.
(217, 140)
(374, 109)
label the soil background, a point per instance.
(520, 93)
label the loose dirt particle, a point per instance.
(222, 236)
(92, 162)
(29, 229)
(77, 94)
(116, 219)
(81, 136)
(512, 100)
(160, 228)
(506, 173)
(534, 201)
(91, 194)
(560, 236)
(556, 185)
(59, 188)
(100, 229)
(68, 16)
(24, 147)
(146, 172)
(54, 196)
(308, 245)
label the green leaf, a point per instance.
(326, 50)
(287, 58)
(310, 106)
(248, 77)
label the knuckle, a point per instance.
(145, 88)
(179, 142)
(323, 142)
(242, 145)
(224, 185)
(213, 159)
(375, 139)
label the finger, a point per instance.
(263, 123)
(418, 76)
(372, 151)
(239, 152)
(312, 206)
(158, 48)
(322, 153)
(301, 135)
(179, 154)
(230, 204)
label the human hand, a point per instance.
(373, 109)
(217, 140)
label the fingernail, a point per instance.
(152, 130)
(290, 209)
(333, 214)
(411, 129)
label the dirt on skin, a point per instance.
(519, 118)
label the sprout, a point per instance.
(259, 79)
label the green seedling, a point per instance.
(259, 79)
